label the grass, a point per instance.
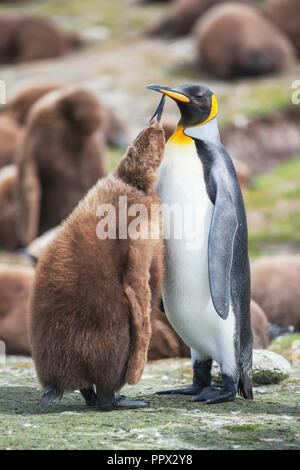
(273, 208)
(254, 98)
(114, 156)
(118, 15)
(286, 346)
(271, 421)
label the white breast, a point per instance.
(186, 291)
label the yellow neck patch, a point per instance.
(179, 138)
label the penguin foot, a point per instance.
(221, 397)
(118, 396)
(125, 404)
(214, 395)
(122, 404)
(51, 395)
(91, 398)
(192, 390)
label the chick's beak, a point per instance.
(176, 95)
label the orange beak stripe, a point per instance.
(176, 96)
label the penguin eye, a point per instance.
(199, 97)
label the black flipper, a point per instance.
(51, 395)
(220, 247)
(245, 384)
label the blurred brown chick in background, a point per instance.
(235, 40)
(275, 284)
(26, 38)
(286, 15)
(183, 17)
(61, 157)
(10, 136)
(15, 288)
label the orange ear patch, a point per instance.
(213, 110)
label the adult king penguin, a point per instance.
(206, 289)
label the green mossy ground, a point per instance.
(271, 421)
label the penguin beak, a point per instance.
(173, 93)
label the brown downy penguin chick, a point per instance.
(10, 136)
(26, 95)
(27, 38)
(235, 40)
(35, 249)
(260, 327)
(90, 312)
(23, 98)
(286, 15)
(8, 207)
(275, 285)
(15, 286)
(184, 15)
(61, 158)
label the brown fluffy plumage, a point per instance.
(61, 157)
(165, 342)
(184, 15)
(24, 97)
(15, 286)
(8, 207)
(286, 15)
(260, 327)
(90, 314)
(10, 136)
(236, 40)
(275, 287)
(27, 38)
(27, 94)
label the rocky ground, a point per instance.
(271, 421)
